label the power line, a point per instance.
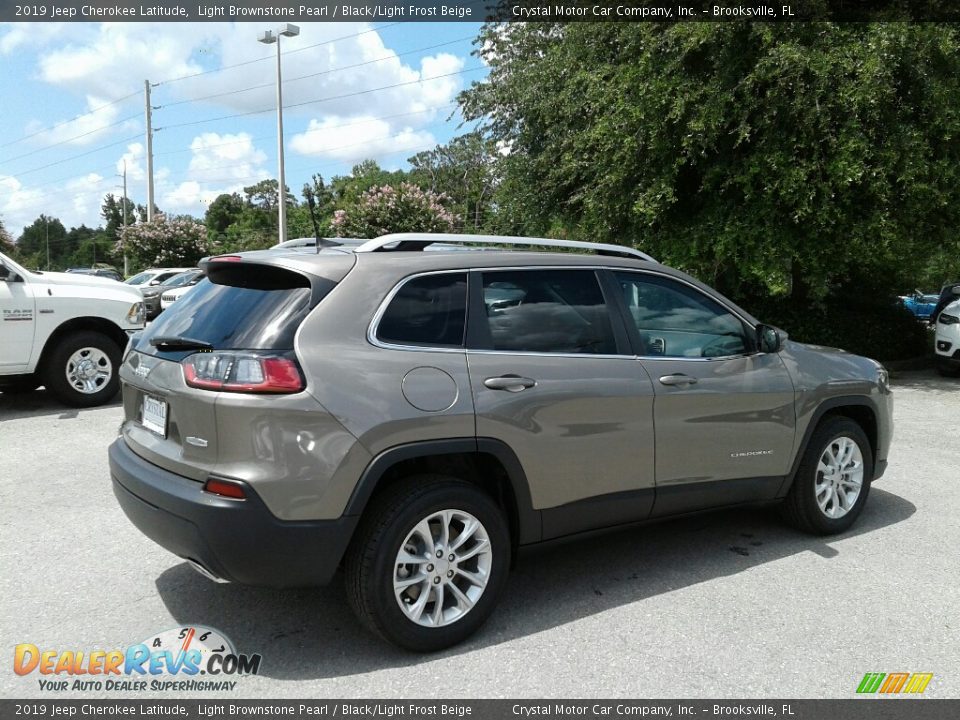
(326, 127)
(65, 122)
(316, 74)
(74, 157)
(271, 57)
(324, 99)
(71, 139)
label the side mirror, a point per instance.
(8, 275)
(955, 290)
(769, 339)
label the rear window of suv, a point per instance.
(241, 308)
(429, 310)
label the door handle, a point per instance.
(510, 383)
(678, 379)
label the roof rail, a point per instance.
(418, 241)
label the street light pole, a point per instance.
(270, 37)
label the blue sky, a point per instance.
(74, 107)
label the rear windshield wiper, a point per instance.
(179, 343)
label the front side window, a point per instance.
(546, 311)
(429, 310)
(675, 320)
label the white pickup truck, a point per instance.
(64, 331)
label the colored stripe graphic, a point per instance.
(870, 682)
(894, 682)
(918, 682)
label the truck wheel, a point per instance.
(428, 562)
(19, 384)
(833, 479)
(83, 369)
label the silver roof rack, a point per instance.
(418, 241)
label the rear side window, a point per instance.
(547, 311)
(429, 310)
(241, 308)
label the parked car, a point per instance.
(65, 331)
(154, 276)
(171, 295)
(920, 304)
(948, 294)
(416, 417)
(151, 293)
(947, 338)
(105, 272)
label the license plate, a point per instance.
(154, 415)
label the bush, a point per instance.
(858, 317)
(387, 209)
(163, 242)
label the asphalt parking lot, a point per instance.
(731, 604)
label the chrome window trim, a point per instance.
(374, 323)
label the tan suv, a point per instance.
(415, 417)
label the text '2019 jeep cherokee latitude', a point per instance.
(417, 416)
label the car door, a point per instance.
(724, 413)
(17, 319)
(552, 376)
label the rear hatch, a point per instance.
(233, 333)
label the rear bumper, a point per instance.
(236, 540)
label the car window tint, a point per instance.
(429, 310)
(675, 320)
(548, 311)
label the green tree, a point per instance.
(6, 242)
(263, 195)
(347, 189)
(388, 209)
(464, 170)
(42, 233)
(112, 212)
(223, 212)
(766, 158)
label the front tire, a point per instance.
(83, 370)
(833, 480)
(428, 563)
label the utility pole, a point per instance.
(149, 111)
(46, 227)
(270, 37)
(126, 259)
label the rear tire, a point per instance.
(431, 602)
(826, 497)
(83, 369)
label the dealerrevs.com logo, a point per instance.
(183, 659)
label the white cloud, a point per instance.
(220, 164)
(17, 204)
(30, 34)
(357, 138)
(131, 159)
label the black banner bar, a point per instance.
(856, 709)
(278, 11)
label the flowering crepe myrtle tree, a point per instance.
(387, 209)
(165, 242)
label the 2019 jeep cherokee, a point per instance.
(415, 417)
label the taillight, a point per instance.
(225, 488)
(230, 371)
